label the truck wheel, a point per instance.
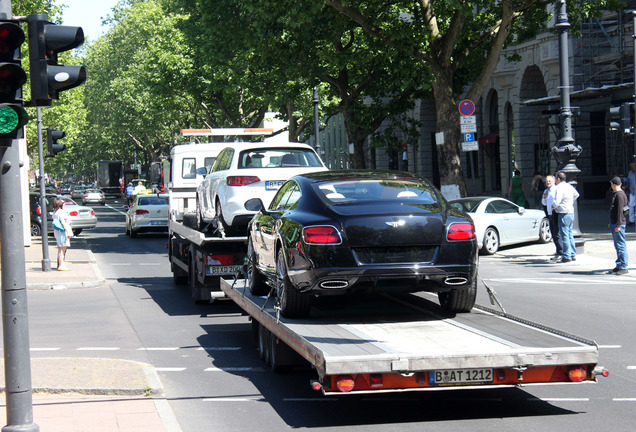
(196, 288)
(190, 220)
(293, 304)
(275, 350)
(263, 343)
(257, 285)
(179, 276)
(459, 300)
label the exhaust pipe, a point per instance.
(334, 284)
(456, 280)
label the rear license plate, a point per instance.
(274, 184)
(460, 376)
(158, 223)
(222, 270)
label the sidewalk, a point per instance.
(81, 394)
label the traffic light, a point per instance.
(13, 116)
(46, 41)
(621, 118)
(51, 141)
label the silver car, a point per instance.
(81, 217)
(94, 196)
(148, 212)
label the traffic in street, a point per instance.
(213, 378)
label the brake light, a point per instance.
(321, 235)
(39, 211)
(461, 231)
(141, 212)
(345, 383)
(73, 213)
(241, 180)
(577, 374)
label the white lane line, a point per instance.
(170, 369)
(234, 369)
(631, 367)
(254, 399)
(218, 348)
(158, 349)
(624, 399)
(610, 346)
(560, 281)
(44, 349)
(97, 349)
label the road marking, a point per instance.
(610, 346)
(624, 399)
(218, 348)
(97, 349)
(559, 281)
(234, 369)
(170, 369)
(45, 349)
(631, 367)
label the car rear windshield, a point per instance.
(360, 190)
(153, 200)
(277, 158)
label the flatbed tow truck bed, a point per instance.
(392, 343)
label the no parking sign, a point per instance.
(467, 107)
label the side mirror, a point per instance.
(254, 204)
(202, 171)
(521, 210)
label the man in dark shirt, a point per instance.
(617, 226)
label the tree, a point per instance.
(460, 42)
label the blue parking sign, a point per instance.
(469, 137)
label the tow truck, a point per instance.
(396, 343)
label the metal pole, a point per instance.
(633, 108)
(316, 122)
(566, 151)
(46, 262)
(17, 358)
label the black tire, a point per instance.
(456, 301)
(276, 346)
(179, 276)
(195, 286)
(257, 284)
(491, 241)
(220, 221)
(190, 220)
(77, 232)
(293, 304)
(133, 233)
(199, 222)
(127, 229)
(263, 343)
(545, 235)
(36, 230)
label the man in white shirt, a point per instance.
(563, 205)
(547, 201)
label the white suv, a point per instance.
(249, 170)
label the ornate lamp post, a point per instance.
(566, 150)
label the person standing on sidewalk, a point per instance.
(563, 205)
(631, 179)
(617, 226)
(547, 201)
(62, 236)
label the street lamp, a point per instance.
(566, 150)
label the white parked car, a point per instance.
(148, 212)
(499, 222)
(249, 170)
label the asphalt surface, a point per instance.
(69, 394)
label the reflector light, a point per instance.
(220, 260)
(241, 180)
(316, 385)
(577, 374)
(376, 380)
(141, 211)
(321, 235)
(345, 383)
(461, 231)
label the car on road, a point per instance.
(148, 212)
(248, 170)
(352, 232)
(500, 222)
(77, 192)
(36, 215)
(81, 217)
(94, 196)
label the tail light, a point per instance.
(141, 212)
(321, 235)
(73, 213)
(345, 383)
(577, 374)
(39, 211)
(461, 231)
(241, 180)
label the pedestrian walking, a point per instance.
(516, 191)
(617, 226)
(563, 205)
(547, 201)
(538, 189)
(62, 231)
(631, 180)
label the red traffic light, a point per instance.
(11, 38)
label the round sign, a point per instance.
(467, 107)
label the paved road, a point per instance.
(214, 380)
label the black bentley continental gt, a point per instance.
(350, 231)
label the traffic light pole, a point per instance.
(17, 358)
(46, 261)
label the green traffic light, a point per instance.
(9, 120)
